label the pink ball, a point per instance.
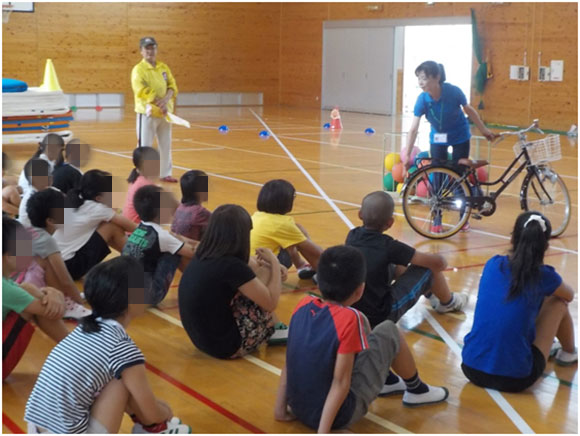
(422, 189)
(482, 174)
(414, 152)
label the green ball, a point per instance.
(412, 169)
(73, 108)
(389, 183)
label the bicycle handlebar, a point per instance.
(534, 125)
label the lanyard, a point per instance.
(440, 120)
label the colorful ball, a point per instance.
(391, 160)
(326, 126)
(422, 155)
(369, 131)
(482, 174)
(422, 189)
(398, 172)
(412, 169)
(388, 182)
(223, 129)
(264, 134)
(73, 108)
(99, 108)
(399, 187)
(414, 152)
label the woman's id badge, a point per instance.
(440, 138)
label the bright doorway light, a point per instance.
(450, 45)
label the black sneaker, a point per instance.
(306, 272)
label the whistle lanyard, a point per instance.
(440, 120)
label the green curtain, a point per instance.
(481, 74)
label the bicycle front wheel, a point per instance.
(434, 202)
(544, 191)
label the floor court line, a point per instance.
(305, 194)
(203, 399)
(12, 426)
(498, 398)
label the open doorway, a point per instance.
(450, 45)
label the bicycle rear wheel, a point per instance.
(546, 192)
(434, 202)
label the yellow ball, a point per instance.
(391, 160)
(400, 187)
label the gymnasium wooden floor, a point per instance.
(215, 396)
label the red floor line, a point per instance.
(14, 428)
(204, 400)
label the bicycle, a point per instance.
(439, 197)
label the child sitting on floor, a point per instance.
(25, 302)
(90, 224)
(38, 176)
(191, 218)
(274, 229)
(46, 214)
(68, 175)
(335, 366)
(521, 306)
(94, 376)
(160, 252)
(49, 149)
(146, 172)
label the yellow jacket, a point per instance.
(150, 82)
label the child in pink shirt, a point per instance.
(191, 218)
(146, 171)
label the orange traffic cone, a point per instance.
(335, 122)
(50, 80)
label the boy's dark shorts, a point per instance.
(407, 290)
(90, 254)
(508, 384)
(157, 283)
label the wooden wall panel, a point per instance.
(276, 48)
(506, 29)
(210, 47)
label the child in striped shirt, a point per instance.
(97, 373)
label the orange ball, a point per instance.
(398, 172)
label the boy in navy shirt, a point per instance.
(160, 251)
(335, 367)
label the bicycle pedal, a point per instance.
(476, 216)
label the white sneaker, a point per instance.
(433, 300)
(563, 358)
(174, 426)
(76, 311)
(394, 389)
(433, 396)
(458, 303)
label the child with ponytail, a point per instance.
(522, 305)
(106, 378)
(146, 172)
(91, 226)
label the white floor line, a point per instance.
(277, 371)
(504, 405)
(306, 174)
(318, 197)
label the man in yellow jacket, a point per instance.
(155, 92)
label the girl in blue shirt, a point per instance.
(442, 105)
(521, 306)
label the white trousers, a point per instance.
(147, 129)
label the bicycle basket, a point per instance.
(542, 150)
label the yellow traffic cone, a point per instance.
(50, 80)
